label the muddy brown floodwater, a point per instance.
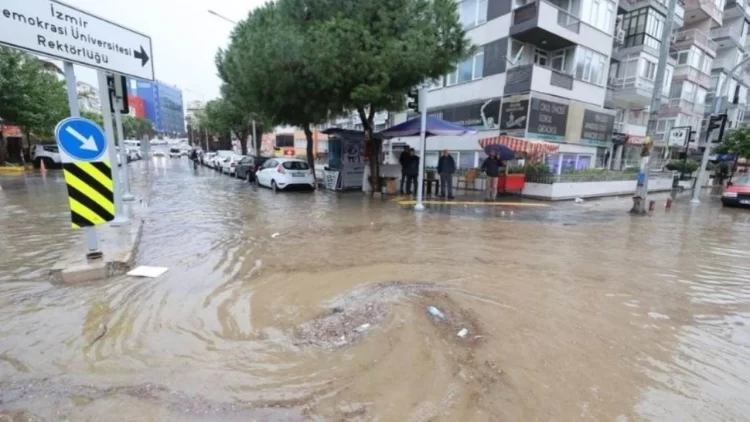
(574, 313)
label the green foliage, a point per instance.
(301, 62)
(538, 169)
(31, 96)
(94, 117)
(736, 142)
(136, 128)
(683, 167)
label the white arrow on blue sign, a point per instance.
(80, 139)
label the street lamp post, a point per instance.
(222, 17)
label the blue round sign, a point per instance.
(81, 139)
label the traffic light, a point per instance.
(717, 122)
(412, 100)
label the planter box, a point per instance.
(572, 190)
(511, 182)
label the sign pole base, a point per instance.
(419, 206)
(128, 197)
(119, 221)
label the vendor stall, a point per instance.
(526, 149)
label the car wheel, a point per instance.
(249, 177)
(274, 187)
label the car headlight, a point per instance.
(729, 194)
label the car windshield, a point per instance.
(224, 153)
(742, 181)
(296, 165)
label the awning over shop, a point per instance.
(527, 146)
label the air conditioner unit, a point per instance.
(620, 36)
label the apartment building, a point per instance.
(731, 39)
(540, 72)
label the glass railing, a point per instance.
(632, 82)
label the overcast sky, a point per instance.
(184, 35)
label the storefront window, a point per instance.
(466, 159)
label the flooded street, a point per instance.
(313, 307)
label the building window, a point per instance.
(648, 70)
(643, 27)
(473, 13)
(516, 53)
(467, 70)
(591, 66)
(540, 57)
(599, 14)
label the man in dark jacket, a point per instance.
(412, 171)
(491, 167)
(446, 167)
(404, 159)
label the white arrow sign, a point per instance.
(86, 143)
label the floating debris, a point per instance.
(362, 328)
(463, 333)
(436, 312)
(275, 235)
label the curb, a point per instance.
(12, 170)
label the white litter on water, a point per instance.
(579, 200)
(363, 328)
(275, 235)
(146, 271)
(463, 333)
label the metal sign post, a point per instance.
(92, 240)
(120, 103)
(120, 218)
(422, 147)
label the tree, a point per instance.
(136, 127)
(268, 68)
(372, 52)
(736, 142)
(31, 96)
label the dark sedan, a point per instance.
(247, 167)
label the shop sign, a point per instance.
(11, 131)
(482, 115)
(547, 120)
(513, 117)
(619, 138)
(636, 140)
(597, 128)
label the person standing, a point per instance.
(412, 173)
(491, 167)
(446, 167)
(405, 160)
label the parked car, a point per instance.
(159, 154)
(248, 166)
(175, 152)
(738, 193)
(229, 164)
(207, 159)
(219, 158)
(47, 153)
(285, 173)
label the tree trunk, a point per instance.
(243, 140)
(373, 145)
(309, 137)
(259, 141)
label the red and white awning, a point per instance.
(527, 146)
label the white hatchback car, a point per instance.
(285, 173)
(230, 163)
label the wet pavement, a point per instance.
(313, 307)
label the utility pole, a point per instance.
(722, 89)
(422, 146)
(641, 190)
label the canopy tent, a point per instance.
(529, 147)
(433, 127)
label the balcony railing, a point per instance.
(561, 80)
(727, 62)
(687, 106)
(568, 21)
(697, 37)
(632, 82)
(693, 74)
(733, 32)
(525, 13)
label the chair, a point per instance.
(469, 177)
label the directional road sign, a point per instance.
(80, 140)
(88, 173)
(54, 29)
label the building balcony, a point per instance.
(625, 6)
(725, 63)
(678, 106)
(698, 10)
(695, 37)
(632, 91)
(526, 78)
(736, 9)
(728, 37)
(692, 74)
(629, 128)
(543, 24)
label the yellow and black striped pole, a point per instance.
(90, 193)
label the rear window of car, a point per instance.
(174, 150)
(51, 148)
(296, 165)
